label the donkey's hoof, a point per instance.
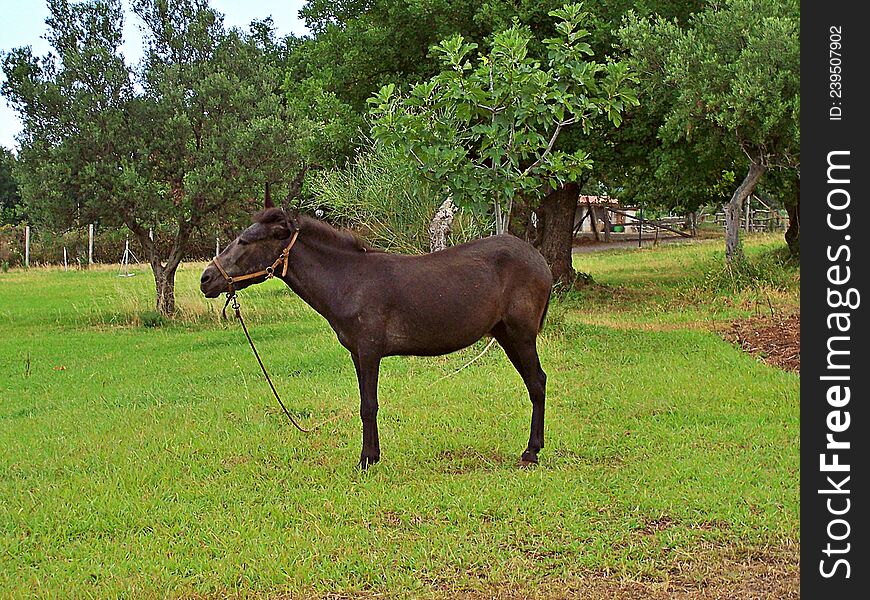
(366, 461)
(528, 459)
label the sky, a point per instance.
(23, 24)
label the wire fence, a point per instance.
(77, 248)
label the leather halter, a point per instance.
(269, 271)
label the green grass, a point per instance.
(685, 284)
(140, 459)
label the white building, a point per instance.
(597, 207)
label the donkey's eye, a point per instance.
(243, 242)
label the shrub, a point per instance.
(385, 200)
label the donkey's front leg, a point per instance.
(367, 367)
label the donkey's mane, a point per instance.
(320, 229)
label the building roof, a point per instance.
(598, 200)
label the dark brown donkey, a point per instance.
(382, 304)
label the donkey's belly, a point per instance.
(410, 348)
(429, 335)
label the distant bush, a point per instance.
(11, 249)
(152, 318)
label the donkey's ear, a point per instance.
(269, 203)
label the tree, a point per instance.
(361, 45)
(735, 71)
(489, 132)
(197, 128)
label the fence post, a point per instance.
(217, 245)
(64, 259)
(90, 243)
(27, 246)
(748, 209)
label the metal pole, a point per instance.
(91, 244)
(640, 229)
(27, 246)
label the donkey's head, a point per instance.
(255, 251)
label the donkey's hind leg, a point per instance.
(522, 351)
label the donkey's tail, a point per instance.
(544, 314)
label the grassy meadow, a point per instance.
(140, 458)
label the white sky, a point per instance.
(22, 23)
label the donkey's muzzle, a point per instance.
(211, 284)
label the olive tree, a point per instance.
(734, 70)
(161, 147)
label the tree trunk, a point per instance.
(556, 218)
(522, 223)
(793, 233)
(164, 279)
(294, 190)
(440, 227)
(164, 274)
(593, 221)
(733, 246)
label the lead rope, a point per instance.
(235, 306)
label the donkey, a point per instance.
(383, 304)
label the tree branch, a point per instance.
(549, 147)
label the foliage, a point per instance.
(11, 211)
(152, 318)
(358, 46)
(11, 251)
(327, 129)
(487, 129)
(771, 270)
(382, 197)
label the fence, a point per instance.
(28, 246)
(754, 220)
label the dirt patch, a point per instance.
(775, 339)
(720, 574)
